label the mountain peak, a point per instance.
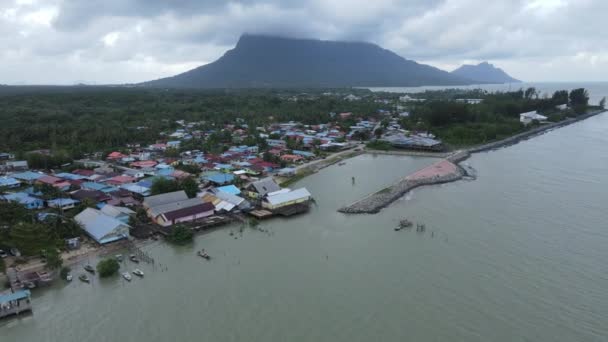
(484, 72)
(260, 60)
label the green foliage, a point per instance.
(53, 259)
(579, 97)
(108, 267)
(180, 235)
(192, 169)
(12, 213)
(162, 185)
(379, 145)
(54, 161)
(74, 121)
(190, 186)
(560, 97)
(65, 270)
(31, 238)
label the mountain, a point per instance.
(484, 73)
(267, 61)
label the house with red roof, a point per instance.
(142, 164)
(116, 156)
(120, 180)
(58, 183)
(291, 158)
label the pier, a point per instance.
(15, 303)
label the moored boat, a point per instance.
(127, 276)
(133, 258)
(89, 268)
(118, 257)
(68, 277)
(84, 278)
(203, 254)
(138, 272)
(405, 223)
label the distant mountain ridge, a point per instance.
(269, 61)
(484, 73)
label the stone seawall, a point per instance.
(531, 133)
(444, 171)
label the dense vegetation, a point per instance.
(21, 228)
(180, 235)
(497, 117)
(163, 185)
(75, 121)
(108, 267)
(82, 120)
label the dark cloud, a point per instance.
(134, 40)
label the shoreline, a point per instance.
(374, 202)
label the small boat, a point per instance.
(138, 272)
(341, 163)
(84, 278)
(118, 257)
(203, 254)
(127, 276)
(68, 277)
(133, 258)
(405, 223)
(89, 268)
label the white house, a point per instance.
(285, 197)
(528, 117)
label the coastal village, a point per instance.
(141, 192)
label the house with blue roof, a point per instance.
(231, 189)
(173, 144)
(69, 176)
(27, 176)
(24, 199)
(136, 189)
(62, 203)
(101, 227)
(98, 186)
(219, 178)
(9, 182)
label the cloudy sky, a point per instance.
(120, 41)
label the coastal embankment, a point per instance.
(444, 171)
(512, 140)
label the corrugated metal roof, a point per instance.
(289, 196)
(101, 227)
(266, 185)
(5, 298)
(156, 200)
(167, 207)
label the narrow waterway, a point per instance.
(517, 255)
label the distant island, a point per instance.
(484, 73)
(277, 62)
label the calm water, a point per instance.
(517, 255)
(596, 90)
